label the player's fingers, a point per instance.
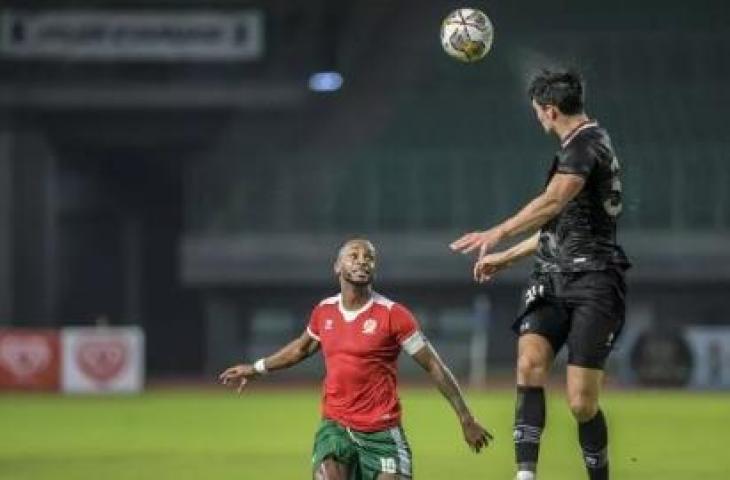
(467, 243)
(457, 244)
(462, 240)
(460, 247)
(483, 272)
(469, 247)
(228, 376)
(477, 272)
(242, 384)
(229, 373)
(466, 250)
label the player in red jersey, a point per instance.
(361, 334)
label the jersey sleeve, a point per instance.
(406, 329)
(313, 326)
(577, 159)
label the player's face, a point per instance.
(356, 263)
(546, 115)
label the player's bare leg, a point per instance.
(534, 358)
(583, 390)
(331, 470)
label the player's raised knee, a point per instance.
(583, 407)
(531, 370)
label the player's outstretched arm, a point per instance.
(491, 263)
(563, 187)
(290, 355)
(474, 434)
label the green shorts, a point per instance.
(367, 454)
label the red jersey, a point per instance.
(360, 350)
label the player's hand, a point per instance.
(475, 435)
(238, 375)
(485, 241)
(488, 265)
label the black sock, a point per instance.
(529, 422)
(593, 439)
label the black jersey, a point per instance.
(583, 236)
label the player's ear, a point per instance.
(553, 112)
(337, 268)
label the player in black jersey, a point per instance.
(576, 294)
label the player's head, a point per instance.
(556, 94)
(355, 262)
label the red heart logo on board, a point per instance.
(101, 359)
(24, 355)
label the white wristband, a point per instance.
(260, 367)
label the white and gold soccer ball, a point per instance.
(467, 34)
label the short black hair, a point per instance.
(561, 88)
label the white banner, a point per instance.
(711, 355)
(102, 359)
(133, 35)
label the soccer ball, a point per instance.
(467, 34)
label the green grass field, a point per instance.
(181, 435)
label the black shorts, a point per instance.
(585, 309)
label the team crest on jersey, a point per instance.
(328, 324)
(369, 326)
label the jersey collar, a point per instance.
(351, 315)
(583, 126)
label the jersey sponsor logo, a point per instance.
(368, 328)
(328, 324)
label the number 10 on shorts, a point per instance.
(387, 465)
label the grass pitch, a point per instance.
(267, 434)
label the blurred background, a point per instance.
(173, 166)
(176, 176)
